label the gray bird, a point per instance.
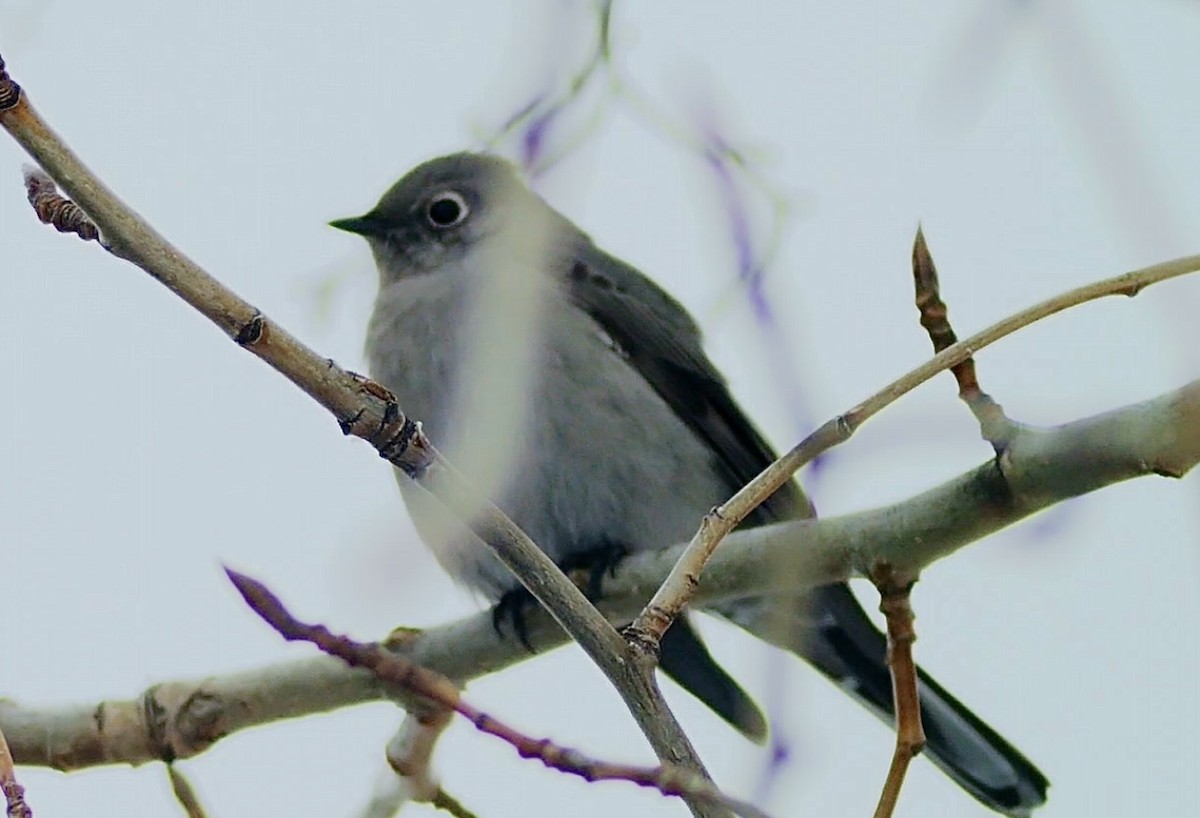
(577, 391)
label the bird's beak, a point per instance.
(367, 225)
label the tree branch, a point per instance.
(1041, 467)
(396, 669)
(677, 589)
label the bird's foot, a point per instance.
(511, 609)
(587, 568)
(594, 563)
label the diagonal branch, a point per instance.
(400, 671)
(679, 586)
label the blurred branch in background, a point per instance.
(568, 108)
(1090, 100)
(545, 133)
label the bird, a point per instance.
(578, 393)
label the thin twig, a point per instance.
(895, 591)
(395, 669)
(534, 118)
(363, 409)
(935, 318)
(679, 587)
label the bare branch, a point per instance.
(397, 670)
(180, 719)
(895, 590)
(684, 578)
(935, 318)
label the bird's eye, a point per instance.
(447, 209)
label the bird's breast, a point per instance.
(574, 444)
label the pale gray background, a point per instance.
(1041, 144)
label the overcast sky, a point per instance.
(1041, 144)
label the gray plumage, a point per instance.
(578, 391)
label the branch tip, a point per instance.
(241, 581)
(264, 603)
(935, 318)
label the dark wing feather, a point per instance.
(662, 342)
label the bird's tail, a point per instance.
(831, 631)
(684, 658)
(844, 645)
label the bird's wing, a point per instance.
(660, 341)
(829, 628)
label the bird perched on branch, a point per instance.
(577, 394)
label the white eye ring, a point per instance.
(446, 209)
